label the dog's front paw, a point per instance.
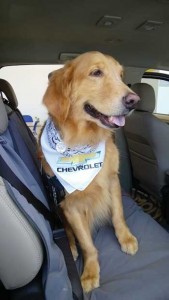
(89, 282)
(90, 278)
(129, 244)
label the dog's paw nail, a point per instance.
(75, 257)
(74, 253)
(130, 245)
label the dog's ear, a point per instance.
(57, 96)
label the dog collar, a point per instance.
(74, 167)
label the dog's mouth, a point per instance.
(108, 121)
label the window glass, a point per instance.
(29, 83)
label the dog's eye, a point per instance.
(96, 73)
(122, 75)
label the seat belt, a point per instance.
(62, 242)
(59, 235)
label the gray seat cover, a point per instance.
(55, 278)
(142, 276)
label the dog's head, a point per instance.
(90, 88)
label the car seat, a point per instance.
(148, 142)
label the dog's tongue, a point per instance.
(117, 120)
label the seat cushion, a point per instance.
(142, 276)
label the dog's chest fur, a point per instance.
(96, 198)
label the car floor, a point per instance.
(151, 206)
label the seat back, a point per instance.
(148, 142)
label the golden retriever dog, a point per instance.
(86, 101)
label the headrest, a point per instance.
(3, 117)
(147, 96)
(7, 89)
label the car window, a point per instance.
(29, 83)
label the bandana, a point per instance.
(75, 167)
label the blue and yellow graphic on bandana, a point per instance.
(78, 158)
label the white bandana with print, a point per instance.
(75, 167)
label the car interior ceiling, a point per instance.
(51, 32)
(42, 31)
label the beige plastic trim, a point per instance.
(21, 251)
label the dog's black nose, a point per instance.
(130, 100)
